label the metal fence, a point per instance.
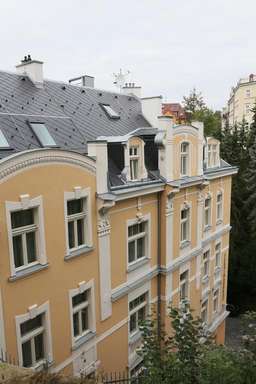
(121, 378)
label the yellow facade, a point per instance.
(156, 278)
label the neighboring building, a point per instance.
(174, 110)
(241, 101)
(102, 216)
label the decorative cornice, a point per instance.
(20, 161)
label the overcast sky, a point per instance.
(170, 46)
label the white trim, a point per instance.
(2, 325)
(79, 193)
(189, 158)
(220, 192)
(27, 203)
(185, 206)
(82, 287)
(32, 312)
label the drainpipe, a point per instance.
(159, 265)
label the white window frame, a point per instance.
(144, 289)
(144, 219)
(209, 211)
(34, 311)
(186, 155)
(134, 158)
(219, 206)
(27, 203)
(205, 306)
(216, 298)
(186, 282)
(187, 207)
(206, 264)
(77, 194)
(213, 154)
(217, 266)
(82, 287)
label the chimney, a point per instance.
(151, 109)
(33, 69)
(83, 81)
(99, 150)
(132, 89)
(200, 126)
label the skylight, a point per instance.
(110, 111)
(43, 135)
(3, 142)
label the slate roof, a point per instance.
(72, 114)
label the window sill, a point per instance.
(184, 244)
(78, 252)
(135, 337)
(137, 264)
(28, 271)
(42, 365)
(83, 339)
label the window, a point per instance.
(204, 312)
(216, 300)
(248, 93)
(184, 221)
(184, 285)
(247, 108)
(137, 234)
(24, 226)
(43, 134)
(77, 222)
(219, 206)
(110, 111)
(207, 212)
(184, 159)
(3, 142)
(82, 312)
(134, 162)
(32, 341)
(80, 309)
(212, 155)
(138, 312)
(206, 264)
(218, 255)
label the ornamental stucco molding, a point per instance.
(18, 162)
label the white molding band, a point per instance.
(27, 159)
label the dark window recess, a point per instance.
(116, 156)
(30, 325)
(22, 218)
(151, 155)
(79, 298)
(75, 206)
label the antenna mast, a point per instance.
(120, 79)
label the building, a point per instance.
(174, 110)
(103, 214)
(241, 101)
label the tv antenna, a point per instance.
(120, 79)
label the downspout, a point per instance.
(159, 265)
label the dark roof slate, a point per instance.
(73, 115)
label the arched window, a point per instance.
(184, 159)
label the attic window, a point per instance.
(43, 135)
(110, 111)
(3, 142)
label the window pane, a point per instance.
(76, 324)
(80, 298)
(71, 234)
(75, 206)
(30, 325)
(22, 218)
(31, 246)
(131, 247)
(39, 346)
(140, 247)
(85, 322)
(26, 354)
(3, 142)
(142, 314)
(80, 232)
(18, 251)
(133, 322)
(43, 134)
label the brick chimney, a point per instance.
(33, 69)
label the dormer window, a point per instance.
(184, 159)
(134, 162)
(43, 135)
(212, 155)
